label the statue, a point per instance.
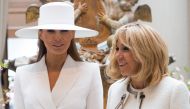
(32, 12)
(90, 20)
(119, 12)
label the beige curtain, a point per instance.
(3, 29)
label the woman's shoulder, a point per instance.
(117, 89)
(88, 65)
(119, 83)
(169, 83)
(28, 68)
(177, 91)
(89, 69)
(23, 67)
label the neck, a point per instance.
(55, 62)
(138, 84)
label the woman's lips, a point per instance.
(57, 45)
(121, 65)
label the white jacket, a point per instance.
(79, 86)
(168, 94)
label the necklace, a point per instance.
(135, 93)
(130, 90)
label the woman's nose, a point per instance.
(119, 53)
(58, 35)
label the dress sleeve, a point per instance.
(95, 96)
(180, 97)
(18, 97)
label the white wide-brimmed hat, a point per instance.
(56, 16)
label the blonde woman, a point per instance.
(139, 61)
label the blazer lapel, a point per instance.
(67, 78)
(41, 86)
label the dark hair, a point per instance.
(72, 50)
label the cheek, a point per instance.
(44, 40)
(68, 38)
(71, 35)
(135, 67)
(42, 36)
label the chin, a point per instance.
(59, 52)
(124, 74)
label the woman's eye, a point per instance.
(51, 31)
(64, 31)
(125, 48)
(117, 48)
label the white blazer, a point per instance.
(168, 94)
(79, 86)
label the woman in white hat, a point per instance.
(59, 79)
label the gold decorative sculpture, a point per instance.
(32, 13)
(143, 12)
(120, 13)
(90, 20)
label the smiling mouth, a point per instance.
(58, 45)
(121, 65)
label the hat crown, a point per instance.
(56, 13)
(56, 16)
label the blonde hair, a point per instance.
(148, 49)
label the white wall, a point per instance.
(171, 18)
(19, 47)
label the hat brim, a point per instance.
(32, 32)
